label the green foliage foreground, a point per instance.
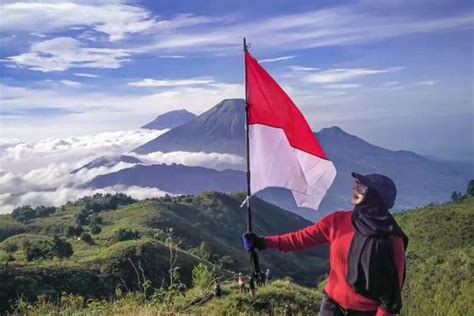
(440, 261)
(282, 297)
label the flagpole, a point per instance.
(253, 252)
(249, 212)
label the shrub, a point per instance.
(470, 188)
(127, 234)
(74, 231)
(82, 217)
(456, 196)
(95, 229)
(95, 220)
(36, 251)
(203, 251)
(202, 277)
(24, 213)
(61, 248)
(86, 238)
(10, 248)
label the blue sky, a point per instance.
(399, 74)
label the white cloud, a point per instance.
(115, 20)
(271, 60)
(187, 34)
(342, 74)
(63, 53)
(395, 85)
(61, 195)
(71, 84)
(86, 75)
(40, 173)
(19, 157)
(171, 83)
(216, 161)
(425, 83)
(342, 86)
(173, 56)
(296, 68)
(40, 35)
(108, 110)
(319, 28)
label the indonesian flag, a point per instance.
(283, 150)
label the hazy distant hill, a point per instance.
(220, 129)
(420, 180)
(174, 179)
(109, 161)
(170, 119)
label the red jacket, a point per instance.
(337, 230)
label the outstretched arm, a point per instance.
(317, 234)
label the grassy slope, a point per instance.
(440, 259)
(440, 256)
(214, 218)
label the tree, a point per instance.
(204, 251)
(95, 229)
(95, 219)
(470, 188)
(35, 251)
(10, 248)
(26, 212)
(74, 231)
(23, 213)
(127, 234)
(82, 217)
(86, 238)
(61, 248)
(456, 196)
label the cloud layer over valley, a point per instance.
(40, 173)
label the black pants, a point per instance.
(330, 308)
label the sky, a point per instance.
(396, 73)
(78, 79)
(399, 74)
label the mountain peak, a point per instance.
(333, 130)
(219, 129)
(108, 161)
(170, 119)
(227, 107)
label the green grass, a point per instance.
(440, 259)
(439, 272)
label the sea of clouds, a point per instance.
(39, 173)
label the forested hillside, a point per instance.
(440, 279)
(98, 243)
(120, 268)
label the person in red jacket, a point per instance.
(367, 251)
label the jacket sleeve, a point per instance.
(399, 255)
(317, 234)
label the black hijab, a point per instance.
(372, 271)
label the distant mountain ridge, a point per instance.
(108, 161)
(419, 180)
(170, 119)
(174, 178)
